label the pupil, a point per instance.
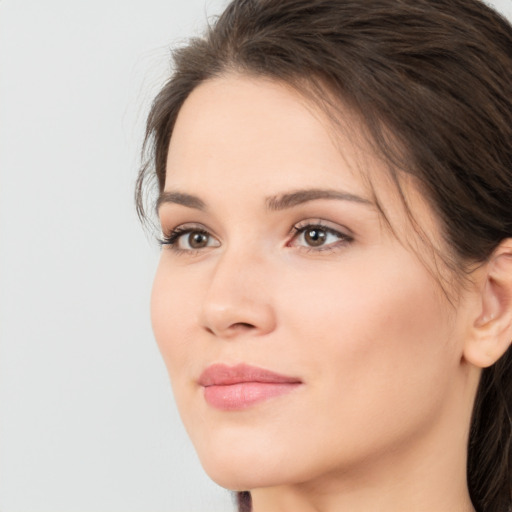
(315, 237)
(197, 240)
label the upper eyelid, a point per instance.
(187, 226)
(325, 224)
(181, 229)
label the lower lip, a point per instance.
(242, 395)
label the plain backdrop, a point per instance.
(87, 419)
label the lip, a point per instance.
(238, 387)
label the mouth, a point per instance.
(231, 388)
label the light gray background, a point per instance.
(87, 420)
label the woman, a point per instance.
(334, 296)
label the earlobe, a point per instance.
(491, 332)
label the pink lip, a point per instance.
(237, 387)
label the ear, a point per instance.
(491, 332)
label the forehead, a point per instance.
(257, 132)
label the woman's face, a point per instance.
(278, 259)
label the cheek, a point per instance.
(375, 339)
(173, 304)
(367, 306)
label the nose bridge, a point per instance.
(237, 298)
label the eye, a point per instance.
(183, 239)
(319, 237)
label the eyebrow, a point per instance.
(273, 203)
(187, 200)
(291, 199)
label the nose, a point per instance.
(238, 299)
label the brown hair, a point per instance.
(437, 74)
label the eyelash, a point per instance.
(173, 237)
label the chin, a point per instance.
(232, 474)
(244, 467)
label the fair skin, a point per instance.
(387, 366)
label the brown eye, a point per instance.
(197, 240)
(319, 238)
(315, 237)
(183, 239)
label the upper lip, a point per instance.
(224, 375)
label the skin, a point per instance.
(380, 422)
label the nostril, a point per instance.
(242, 326)
(238, 327)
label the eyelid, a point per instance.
(325, 224)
